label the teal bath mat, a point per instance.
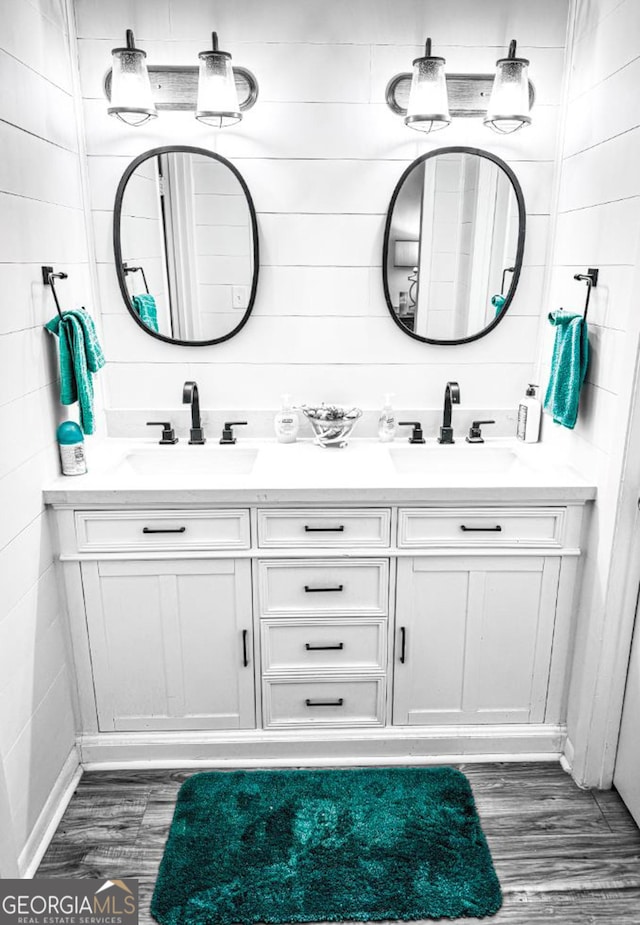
(366, 844)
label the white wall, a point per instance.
(599, 226)
(321, 154)
(41, 222)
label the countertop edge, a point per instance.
(449, 494)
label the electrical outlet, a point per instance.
(239, 296)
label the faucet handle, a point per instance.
(417, 436)
(475, 433)
(168, 433)
(227, 432)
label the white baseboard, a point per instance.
(566, 759)
(49, 819)
(317, 748)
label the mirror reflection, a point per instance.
(186, 245)
(453, 245)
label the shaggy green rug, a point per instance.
(366, 844)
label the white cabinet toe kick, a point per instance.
(215, 636)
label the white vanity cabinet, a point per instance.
(277, 631)
(473, 639)
(171, 643)
(170, 633)
(475, 627)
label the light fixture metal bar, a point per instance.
(175, 87)
(469, 94)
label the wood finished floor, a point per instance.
(563, 855)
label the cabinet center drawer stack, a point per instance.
(324, 621)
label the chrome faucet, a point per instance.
(190, 396)
(451, 397)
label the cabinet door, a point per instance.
(168, 644)
(473, 639)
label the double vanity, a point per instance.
(249, 601)
(268, 602)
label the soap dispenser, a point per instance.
(529, 416)
(287, 422)
(387, 424)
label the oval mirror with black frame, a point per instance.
(185, 238)
(453, 245)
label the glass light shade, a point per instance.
(131, 99)
(509, 105)
(428, 109)
(217, 95)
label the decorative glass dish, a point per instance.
(331, 424)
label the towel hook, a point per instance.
(591, 279)
(504, 273)
(48, 277)
(137, 270)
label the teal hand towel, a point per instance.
(568, 367)
(145, 306)
(80, 356)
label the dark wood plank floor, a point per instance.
(563, 855)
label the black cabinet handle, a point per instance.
(497, 529)
(403, 644)
(325, 703)
(310, 590)
(311, 648)
(245, 656)
(308, 529)
(164, 529)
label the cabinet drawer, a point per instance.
(489, 527)
(324, 586)
(324, 703)
(115, 531)
(348, 645)
(324, 528)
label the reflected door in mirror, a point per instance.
(453, 245)
(186, 245)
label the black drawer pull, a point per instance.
(325, 703)
(311, 648)
(310, 590)
(497, 529)
(245, 654)
(308, 529)
(164, 529)
(403, 644)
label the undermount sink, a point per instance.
(451, 459)
(192, 460)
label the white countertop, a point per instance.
(126, 472)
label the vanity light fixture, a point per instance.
(217, 95)
(510, 102)
(428, 108)
(131, 99)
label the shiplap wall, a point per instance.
(321, 154)
(599, 226)
(41, 222)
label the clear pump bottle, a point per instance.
(387, 424)
(287, 422)
(529, 416)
